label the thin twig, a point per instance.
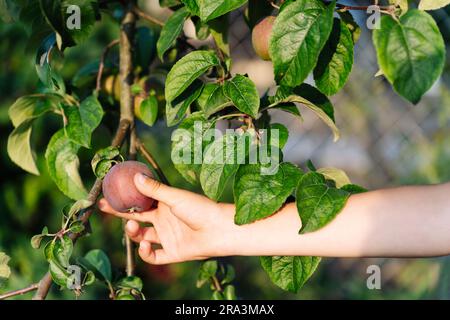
(102, 63)
(344, 7)
(141, 14)
(274, 5)
(46, 282)
(19, 292)
(148, 156)
(146, 16)
(216, 284)
(126, 122)
(127, 31)
(129, 249)
(127, 34)
(129, 245)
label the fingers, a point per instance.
(105, 207)
(152, 256)
(137, 233)
(185, 205)
(158, 191)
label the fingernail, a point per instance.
(144, 246)
(141, 178)
(130, 226)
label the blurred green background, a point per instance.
(386, 142)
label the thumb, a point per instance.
(191, 214)
(158, 191)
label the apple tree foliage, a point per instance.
(309, 37)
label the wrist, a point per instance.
(226, 238)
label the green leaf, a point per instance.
(131, 282)
(335, 61)
(318, 202)
(63, 163)
(290, 273)
(125, 297)
(103, 160)
(411, 53)
(49, 78)
(86, 15)
(176, 109)
(22, 114)
(243, 93)
(230, 292)
(59, 274)
(37, 239)
(337, 175)
(208, 269)
(212, 99)
(211, 9)
(403, 5)
(19, 147)
(35, 24)
(63, 251)
(83, 120)
(433, 4)
(202, 31)
(219, 29)
(53, 12)
(217, 295)
(289, 107)
(59, 250)
(31, 107)
(187, 141)
(171, 30)
(258, 196)
(283, 135)
(229, 275)
(299, 33)
(71, 26)
(354, 189)
(89, 278)
(5, 271)
(186, 70)
(314, 100)
(148, 110)
(192, 6)
(77, 227)
(219, 164)
(58, 253)
(98, 262)
(351, 24)
(78, 206)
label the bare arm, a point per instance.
(402, 222)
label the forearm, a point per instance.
(402, 222)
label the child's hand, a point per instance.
(187, 225)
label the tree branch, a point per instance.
(344, 7)
(30, 288)
(127, 30)
(127, 33)
(146, 16)
(46, 282)
(148, 156)
(102, 63)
